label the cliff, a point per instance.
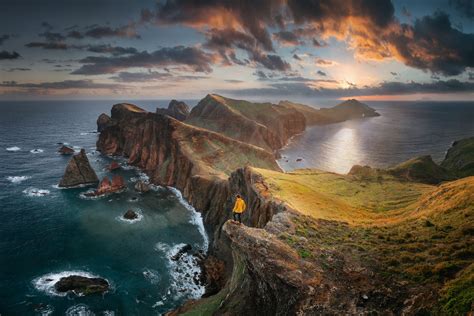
(265, 125)
(460, 158)
(176, 109)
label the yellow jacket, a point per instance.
(239, 206)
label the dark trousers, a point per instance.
(238, 216)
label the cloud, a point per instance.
(319, 43)
(75, 34)
(465, 7)
(18, 69)
(288, 38)
(385, 88)
(295, 56)
(140, 76)
(8, 55)
(125, 31)
(48, 45)
(114, 50)
(61, 85)
(324, 62)
(192, 58)
(3, 38)
(393, 73)
(52, 36)
(321, 73)
(369, 28)
(433, 44)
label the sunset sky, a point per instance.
(328, 49)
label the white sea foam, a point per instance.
(151, 276)
(34, 192)
(14, 148)
(131, 221)
(18, 179)
(88, 133)
(196, 217)
(182, 272)
(36, 151)
(46, 282)
(79, 310)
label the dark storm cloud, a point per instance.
(288, 38)
(8, 55)
(140, 76)
(75, 34)
(3, 38)
(62, 85)
(191, 57)
(321, 73)
(433, 44)
(52, 36)
(465, 7)
(319, 43)
(385, 88)
(296, 57)
(225, 42)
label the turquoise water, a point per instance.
(46, 232)
(403, 131)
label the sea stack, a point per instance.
(81, 285)
(79, 172)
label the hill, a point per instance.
(460, 158)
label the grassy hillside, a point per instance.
(418, 235)
(460, 158)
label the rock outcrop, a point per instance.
(142, 187)
(65, 150)
(79, 172)
(460, 158)
(107, 187)
(176, 109)
(81, 285)
(103, 122)
(130, 215)
(113, 166)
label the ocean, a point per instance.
(403, 131)
(46, 232)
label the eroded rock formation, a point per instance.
(176, 109)
(81, 285)
(79, 172)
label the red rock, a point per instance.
(104, 186)
(113, 166)
(65, 150)
(118, 183)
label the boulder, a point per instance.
(130, 215)
(113, 166)
(65, 150)
(142, 187)
(78, 172)
(106, 186)
(81, 285)
(118, 183)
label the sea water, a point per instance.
(47, 233)
(403, 131)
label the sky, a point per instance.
(266, 49)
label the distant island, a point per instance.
(372, 241)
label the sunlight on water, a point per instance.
(345, 150)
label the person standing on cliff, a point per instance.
(239, 208)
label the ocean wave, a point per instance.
(14, 148)
(34, 192)
(79, 310)
(196, 217)
(131, 221)
(151, 276)
(88, 133)
(36, 151)
(183, 272)
(46, 282)
(18, 179)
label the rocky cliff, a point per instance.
(460, 158)
(176, 109)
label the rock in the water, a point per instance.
(186, 248)
(103, 122)
(113, 166)
(176, 109)
(141, 186)
(79, 172)
(81, 285)
(65, 150)
(106, 186)
(130, 215)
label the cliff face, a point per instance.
(264, 125)
(460, 158)
(176, 109)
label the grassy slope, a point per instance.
(414, 233)
(460, 158)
